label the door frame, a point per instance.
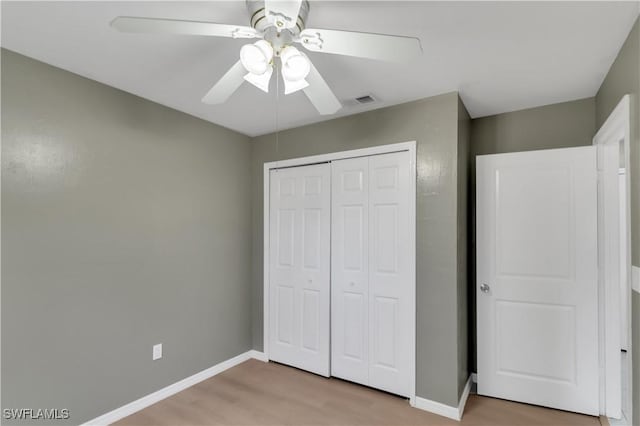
(327, 158)
(617, 127)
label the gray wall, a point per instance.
(624, 78)
(124, 224)
(563, 125)
(433, 124)
(463, 221)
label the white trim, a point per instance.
(260, 356)
(617, 127)
(139, 404)
(618, 119)
(635, 278)
(341, 155)
(474, 378)
(411, 147)
(444, 410)
(265, 261)
(618, 422)
(463, 399)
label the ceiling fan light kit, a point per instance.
(279, 24)
(294, 86)
(257, 57)
(295, 64)
(261, 81)
(295, 68)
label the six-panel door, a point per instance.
(350, 269)
(371, 271)
(390, 284)
(299, 267)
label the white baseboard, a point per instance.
(152, 398)
(474, 378)
(260, 356)
(635, 278)
(444, 410)
(617, 422)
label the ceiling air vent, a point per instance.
(357, 102)
(367, 99)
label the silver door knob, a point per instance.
(485, 288)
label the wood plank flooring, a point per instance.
(258, 393)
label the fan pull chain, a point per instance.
(277, 111)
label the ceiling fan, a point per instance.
(279, 24)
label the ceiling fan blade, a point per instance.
(284, 14)
(320, 94)
(227, 84)
(130, 24)
(364, 45)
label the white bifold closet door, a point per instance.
(299, 267)
(370, 271)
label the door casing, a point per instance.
(616, 128)
(315, 159)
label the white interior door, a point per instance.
(299, 267)
(390, 286)
(371, 271)
(350, 269)
(537, 295)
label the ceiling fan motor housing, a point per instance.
(260, 22)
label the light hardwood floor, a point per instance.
(258, 393)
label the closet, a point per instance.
(341, 264)
(299, 271)
(370, 295)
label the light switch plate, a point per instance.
(157, 351)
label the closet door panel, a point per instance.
(389, 273)
(299, 283)
(349, 270)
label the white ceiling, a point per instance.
(500, 56)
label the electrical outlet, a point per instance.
(157, 351)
